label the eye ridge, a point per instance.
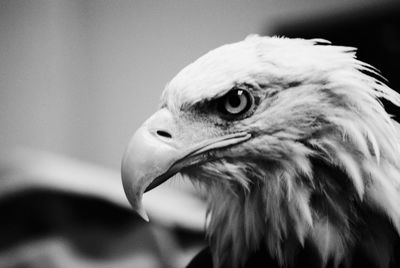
(235, 103)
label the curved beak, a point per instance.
(154, 154)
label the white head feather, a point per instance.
(324, 158)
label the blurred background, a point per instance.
(78, 77)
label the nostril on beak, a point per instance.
(164, 134)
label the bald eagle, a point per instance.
(299, 161)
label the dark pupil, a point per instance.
(234, 100)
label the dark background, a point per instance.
(375, 32)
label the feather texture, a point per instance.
(323, 166)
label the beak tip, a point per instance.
(144, 216)
(140, 210)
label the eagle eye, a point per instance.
(236, 102)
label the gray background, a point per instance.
(78, 77)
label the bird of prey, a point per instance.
(290, 142)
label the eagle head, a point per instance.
(291, 145)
